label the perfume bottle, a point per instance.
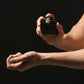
(48, 26)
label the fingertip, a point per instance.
(59, 27)
(49, 15)
(39, 19)
(58, 23)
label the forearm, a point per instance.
(67, 43)
(73, 40)
(70, 43)
(73, 59)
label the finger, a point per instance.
(10, 56)
(39, 32)
(39, 20)
(59, 28)
(14, 66)
(18, 59)
(18, 54)
(38, 29)
(49, 15)
(15, 59)
(24, 57)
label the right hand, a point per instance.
(22, 62)
(50, 39)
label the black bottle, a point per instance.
(48, 26)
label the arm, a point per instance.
(71, 41)
(72, 59)
(74, 40)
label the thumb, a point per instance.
(59, 28)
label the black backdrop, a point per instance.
(17, 34)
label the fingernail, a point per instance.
(12, 60)
(57, 23)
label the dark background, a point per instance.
(17, 34)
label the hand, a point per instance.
(50, 39)
(23, 62)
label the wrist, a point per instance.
(55, 59)
(44, 58)
(50, 58)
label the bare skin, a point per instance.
(72, 42)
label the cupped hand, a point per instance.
(50, 39)
(22, 62)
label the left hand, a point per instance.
(23, 62)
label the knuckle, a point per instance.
(32, 53)
(19, 54)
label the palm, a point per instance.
(51, 39)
